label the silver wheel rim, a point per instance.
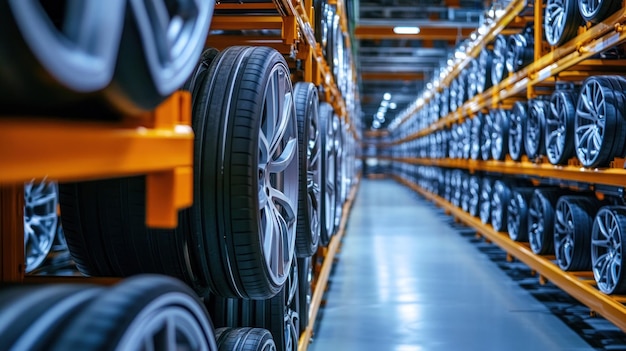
(590, 123)
(486, 130)
(84, 45)
(278, 175)
(485, 201)
(497, 134)
(589, 8)
(173, 321)
(563, 235)
(536, 225)
(314, 177)
(555, 129)
(554, 21)
(516, 133)
(498, 64)
(606, 251)
(40, 221)
(476, 134)
(497, 209)
(172, 37)
(534, 129)
(474, 200)
(330, 181)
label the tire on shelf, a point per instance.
(573, 224)
(339, 169)
(519, 52)
(499, 133)
(40, 221)
(534, 139)
(487, 130)
(498, 63)
(541, 220)
(608, 238)
(595, 11)
(34, 315)
(517, 129)
(517, 222)
(138, 313)
(309, 159)
(485, 200)
(484, 77)
(559, 127)
(329, 188)
(474, 195)
(244, 339)
(599, 125)
(499, 205)
(476, 136)
(279, 314)
(198, 78)
(245, 192)
(305, 290)
(561, 21)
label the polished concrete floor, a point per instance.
(406, 281)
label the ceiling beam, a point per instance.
(426, 33)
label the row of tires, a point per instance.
(510, 53)
(586, 122)
(584, 233)
(272, 170)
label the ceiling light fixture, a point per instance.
(406, 30)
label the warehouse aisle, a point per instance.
(406, 281)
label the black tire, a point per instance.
(485, 200)
(309, 161)
(608, 244)
(534, 139)
(499, 205)
(444, 103)
(485, 59)
(34, 315)
(474, 195)
(517, 127)
(499, 134)
(244, 339)
(596, 11)
(136, 312)
(517, 222)
(519, 52)
(305, 290)
(572, 227)
(198, 78)
(476, 136)
(561, 21)
(541, 220)
(219, 242)
(279, 314)
(559, 127)
(498, 63)
(487, 130)
(465, 192)
(339, 168)
(599, 122)
(329, 175)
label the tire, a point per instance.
(305, 290)
(517, 211)
(34, 315)
(309, 159)
(596, 11)
(519, 52)
(541, 220)
(599, 121)
(57, 62)
(465, 192)
(158, 60)
(487, 130)
(498, 63)
(608, 238)
(485, 200)
(244, 339)
(474, 195)
(444, 103)
(499, 134)
(279, 314)
(499, 205)
(476, 136)
(40, 221)
(220, 242)
(559, 127)
(329, 175)
(517, 128)
(572, 227)
(534, 138)
(137, 312)
(198, 78)
(339, 168)
(472, 78)
(561, 21)
(483, 77)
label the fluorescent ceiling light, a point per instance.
(406, 30)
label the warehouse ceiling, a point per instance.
(393, 68)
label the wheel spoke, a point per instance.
(285, 158)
